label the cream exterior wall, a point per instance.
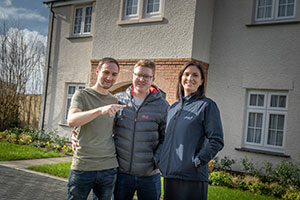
(170, 38)
(258, 57)
(70, 63)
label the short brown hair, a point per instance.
(107, 60)
(146, 63)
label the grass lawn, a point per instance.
(10, 151)
(214, 192)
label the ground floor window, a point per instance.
(266, 120)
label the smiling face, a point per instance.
(142, 79)
(191, 79)
(107, 75)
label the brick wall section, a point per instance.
(166, 74)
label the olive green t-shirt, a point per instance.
(96, 148)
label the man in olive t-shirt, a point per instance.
(92, 114)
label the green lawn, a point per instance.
(10, 151)
(214, 192)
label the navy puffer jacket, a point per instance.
(193, 130)
(140, 133)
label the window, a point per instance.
(71, 88)
(266, 119)
(272, 10)
(135, 11)
(82, 20)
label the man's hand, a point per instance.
(111, 109)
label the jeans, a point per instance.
(182, 189)
(82, 182)
(147, 187)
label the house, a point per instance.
(250, 50)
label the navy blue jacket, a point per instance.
(193, 130)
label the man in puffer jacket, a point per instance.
(139, 133)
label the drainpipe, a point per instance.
(48, 66)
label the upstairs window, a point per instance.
(265, 121)
(82, 20)
(272, 10)
(141, 10)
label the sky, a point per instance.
(31, 18)
(27, 14)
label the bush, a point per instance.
(11, 137)
(248, 167)
(291, 196)
(25, 139)
(223, 164)
(277, 190)
(260, 188)
(287, 173)
(221, 179)
(4, 134)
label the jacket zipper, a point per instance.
(172, 139)
(133, 136)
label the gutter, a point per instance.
(48, 65)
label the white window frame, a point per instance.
(274, 14)
(69, 97)
(82, 26)
(142, 15)
(266, 110)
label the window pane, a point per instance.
(261, 2)
(272, 121)
(279, 139)
(77, 21)
(268, 12)
(131, 7)
(81, 87)
(68, 107)
(257, 135)
(269, 2)
(251, 122)
(290, 10)
(253, 98)
(281, 11)
(271, 137)
(259, 120)
(261, 100)
(250, 135)
(280, 124)
(71, 89)
(274, 101)
(282, 101)
(88, 19)
(282, 2)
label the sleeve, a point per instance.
(77, 101)
(214, 133)
(162, 127)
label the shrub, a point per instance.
(3, 135)
(25, 139)
(277, 190)
(287, 173)
(291, 196)
(220, 179)
(223, 164)
(260, 188)
(248, 167)
(11, 137)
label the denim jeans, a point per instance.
(147, 187)
(82, 182)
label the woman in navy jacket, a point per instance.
(193, 137)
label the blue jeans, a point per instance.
(147, 187)
(82, 182)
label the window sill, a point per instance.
(139, 21)
(64, 125)
(263, 152)
(78, 37)
(272, 23)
